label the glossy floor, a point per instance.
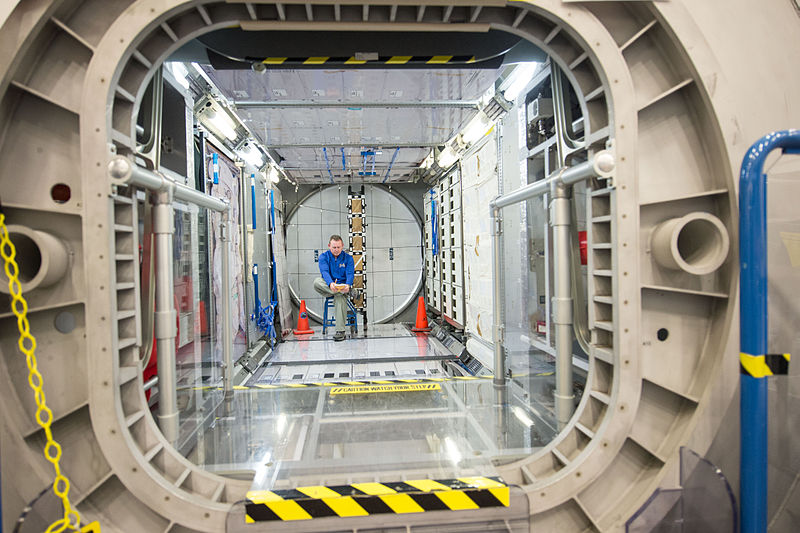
(326, 417)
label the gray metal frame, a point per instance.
(570, 482)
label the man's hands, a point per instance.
(340, 287)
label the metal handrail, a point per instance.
(753, 338)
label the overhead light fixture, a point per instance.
(274, 175)
(447, 157)
(517, 81)
(179, 72)
(252, 155)
(223, 125)
(476, 129)
(427, 162)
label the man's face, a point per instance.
(335, 247)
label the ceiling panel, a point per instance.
(299, 133)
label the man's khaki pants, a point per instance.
(339, 302)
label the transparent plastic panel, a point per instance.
(527, 261)
(708, 501)
(783, 262)
(198, 343)
(705, 502)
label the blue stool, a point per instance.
(351, 321)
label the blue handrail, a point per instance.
(253, 199)
(274, 292)
(262, 316)
(753, 325)
(434, 227)
(215, 167)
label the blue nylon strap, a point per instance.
(391, 164)
(327, 163)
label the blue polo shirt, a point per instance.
(336, 269)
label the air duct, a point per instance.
(696, 243)
(42, 258)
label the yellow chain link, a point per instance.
(44, 416)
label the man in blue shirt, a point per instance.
(336, 268)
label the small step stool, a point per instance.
(352, 316)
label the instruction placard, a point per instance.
(395, 387)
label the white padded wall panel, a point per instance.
(479, 175)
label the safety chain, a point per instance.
(44, 416)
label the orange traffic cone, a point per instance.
(422, 317)
(302, 322)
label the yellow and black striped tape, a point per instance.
(761, 366)
(382, 60)
(364, 499)
(353, 383)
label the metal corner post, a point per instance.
(562, 302)
(165, 314)
(497, 300)
(227, 334)
(753, 338)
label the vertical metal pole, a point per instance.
(497, 300)
(562, 295)
(501, 409)
(753, 326)
(165, 315)
(562, 303)
(227, 334)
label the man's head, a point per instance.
(335, 245)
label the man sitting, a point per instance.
(336, 268)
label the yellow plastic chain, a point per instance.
(44, 416)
